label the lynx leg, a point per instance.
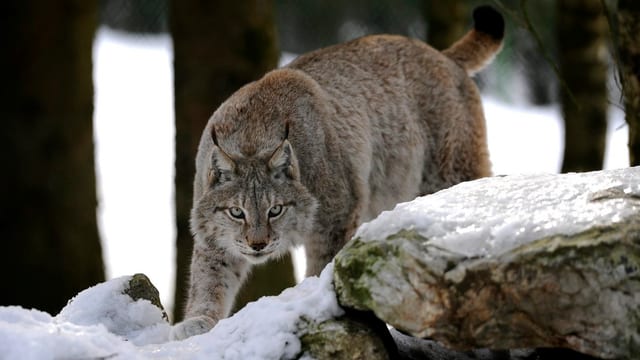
(216, 277)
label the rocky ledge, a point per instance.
(546, 261)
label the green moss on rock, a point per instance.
(342, 338)
(356, 263)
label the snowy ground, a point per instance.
(135, 142)
(102, 323)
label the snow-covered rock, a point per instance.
(507, 262)
(115, 320)
(111, 305)
(101, 322)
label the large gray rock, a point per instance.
(507, 262)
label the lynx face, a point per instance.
(254, 208)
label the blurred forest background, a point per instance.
(581, 54)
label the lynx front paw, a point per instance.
(191, 326)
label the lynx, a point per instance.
(312, 150)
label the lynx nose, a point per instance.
(257, 246)
(258, 238)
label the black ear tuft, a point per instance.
(221, 166)
(213, 135)
(284, 160)
(286, 131)
(489, 21)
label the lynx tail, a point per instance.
(480, 45)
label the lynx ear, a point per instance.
(222, 166)
(283, 161)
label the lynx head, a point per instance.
(255, 207)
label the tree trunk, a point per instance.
(218, 47)
(628, 44)
(50, 244)
(447, 21)
(582, 34)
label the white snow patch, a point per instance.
(525, 139)
(493, 215)
(138, 321)
(101, 322)
(32, 334)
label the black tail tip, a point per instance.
(489, 21)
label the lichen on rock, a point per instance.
(342, 338)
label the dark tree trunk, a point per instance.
(447, 21)
(628, 46)
(50, 247)
(582, 34)
(218, 47)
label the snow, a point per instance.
(94, 324)
(529, 140)
(106, 304)
(491, 216)
(32, 334)
(101, 322)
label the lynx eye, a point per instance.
(236, 212)
(275, 211)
